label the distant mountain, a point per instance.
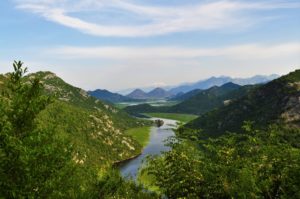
(209, 99)
(200, 103)
(158, 93)
(137, 94)
(109, 96)
(218, 81)
(145, 89)
(276, 101)
(183, 96)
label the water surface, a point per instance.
(156, 146)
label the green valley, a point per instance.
(243, 141)
(150, 99)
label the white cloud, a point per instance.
(240, 52)
(161, 20)
(129, 67)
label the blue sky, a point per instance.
(117, 44)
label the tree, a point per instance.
(34, 161)
(255, 164)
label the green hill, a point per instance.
(80, 98)
(275, 101)
(108, 96)
(94, 128)
(209, 99)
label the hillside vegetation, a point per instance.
(276, 101)
(247, 149)
(57, 140)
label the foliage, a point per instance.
(112, 185)
(256, 164)
(210, 99)
(79, 98)
(264, 105)
(56, 148)
(140, 134)
(35, 162)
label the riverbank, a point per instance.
(184, 118)
(140, 134)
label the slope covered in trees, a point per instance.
(209, 99)
(259, 160)
(53, 147)
(275, 101)
(255, 164)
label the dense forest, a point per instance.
(53, 148)
(58, 142)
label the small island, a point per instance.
(159, 122)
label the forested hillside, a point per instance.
(56, 138)
(276, 101)
(210, 99)
(252, 151)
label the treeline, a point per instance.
(254, 164)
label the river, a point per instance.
(156, 146)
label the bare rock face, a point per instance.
(292, 109)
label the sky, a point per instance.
(119, 44)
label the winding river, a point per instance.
(155, 146)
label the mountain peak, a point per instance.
(157, 89)
(221, 80)
(137, 94)
(108, 96)
(230, 85)
(158, 93)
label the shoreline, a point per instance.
(120, 162)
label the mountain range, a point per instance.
(276, 101)
(197, 101)
(218, 81)
(178, 93)
(209, 99)
(157, 93)
(109, 96)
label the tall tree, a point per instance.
(34, 162)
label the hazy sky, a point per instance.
(117, 44)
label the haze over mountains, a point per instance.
(157, 93)
(274, 102)
(210, 107)
(218, 81)
(232, 104)
(207, 83)
(109, 96)
(197, 101)
(178, 93)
